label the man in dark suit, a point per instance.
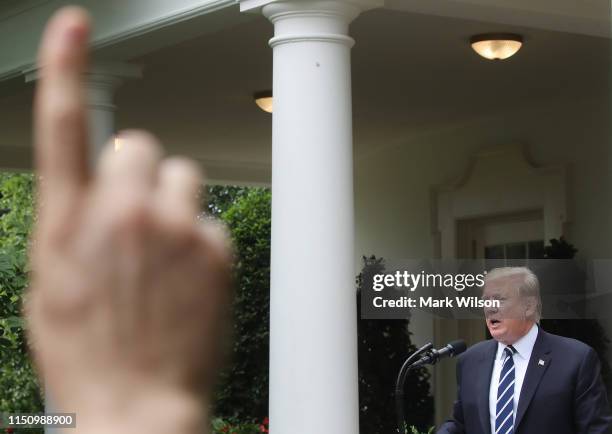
(524, 380)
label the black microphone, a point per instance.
(432, 356)
(451, 350)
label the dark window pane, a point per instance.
(494, 256)
(494, 252)
(536, 249)
(516, 251)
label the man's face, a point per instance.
(508, 323)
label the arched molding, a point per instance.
(500, 181)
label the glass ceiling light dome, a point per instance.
(496, 46)
(264, 100)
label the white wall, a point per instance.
(394, 183)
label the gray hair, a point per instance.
(528, 288)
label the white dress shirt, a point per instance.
(523, 347)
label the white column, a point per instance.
(102, 81)
(313, 329)
(313, 337)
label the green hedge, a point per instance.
(224, 426)
(19, 388)
(243, 390)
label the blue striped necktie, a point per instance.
(504, 409)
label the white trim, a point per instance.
(165, 21)
(118, 70)
(255, 6)
(160, 15)
(224, 172)
(236, 172)
(23, 6)
(547, 192)
(322, 37)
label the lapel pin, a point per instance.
(541, 362)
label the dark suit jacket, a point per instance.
(565, 395)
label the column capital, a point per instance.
(102, 79)
(103, 71)
(297, 21)
(351, 8)
(113, 73)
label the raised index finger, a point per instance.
(60, 130)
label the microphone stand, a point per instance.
(399, 386)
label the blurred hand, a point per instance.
(128, 290)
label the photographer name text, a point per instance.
(435, 303)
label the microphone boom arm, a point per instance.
(399, 386)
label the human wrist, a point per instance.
(149, 412)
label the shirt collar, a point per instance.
(523, 347)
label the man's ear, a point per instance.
(530, 307)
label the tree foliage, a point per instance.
(242, 394)
(243, 390)
(19, 388)
(220, 198)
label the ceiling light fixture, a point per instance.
(496, 46)
(264, 100)
(118, 143)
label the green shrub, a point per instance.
(414, 430)
(224, 426)
(243, 390)
(19, 388)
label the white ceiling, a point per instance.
(588, 17)
(6, 4)
(410, 72)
